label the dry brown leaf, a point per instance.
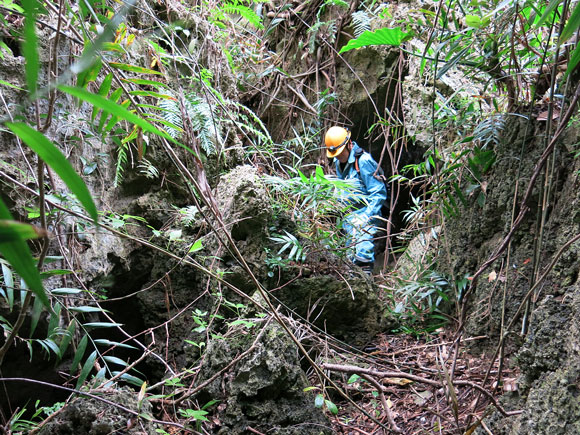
(543, 116)
(422, 397)
(398, 381)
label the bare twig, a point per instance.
(397, 374)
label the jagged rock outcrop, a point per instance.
(88, 416)
(265, 389)
(548, 354)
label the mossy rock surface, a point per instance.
(264, 390)
(87, 416)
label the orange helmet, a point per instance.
(335, 140)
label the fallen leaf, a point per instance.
(398, 381)
(492, 276)
(543, 116)
(422, 397)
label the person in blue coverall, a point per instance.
(358, 167)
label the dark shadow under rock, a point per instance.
(349, 310)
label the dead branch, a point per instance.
(397, 374)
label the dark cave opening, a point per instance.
(363, 116)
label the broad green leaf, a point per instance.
(354, 378)
(14, 230)
(66, 291)
(473, 21)
(121, 112)
(146, 82)
(572, 24)
(331, 407)
(319, 401)
(102, 325)
(79, 353)
(87, 309)
(86, 7)
(111, 46)
(101, 373)
(549, 9)
(89, 74)
(87, 367)
(133, 68)
(198, 245)
(30, 44)
(106, 342)
(131, 379)
(385, 36)
(114, 99)
(10, 85)
(54, 319)
(115, 360)
(103, 92)
(58, 163)
(66, 339)
(140, 93)
(18, 255)
(574, 59)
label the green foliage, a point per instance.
(296, 251)
(320, 401)
(315, 205)
(201, 116)
(572, 24)
(361, 22)
(57, 161)
(418, 304)
(30, 44)
(20, 258)
(393, 37)
(222, 10)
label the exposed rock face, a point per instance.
(265, 390)
(84, 416)
(348, 310)
(548, 357)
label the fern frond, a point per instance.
(201, 115)
(203, 123)
(171, 113)
(249, 118)
(245, 12)
(361, 21)
(489, 131)
(120, 165)
(188, 215)
(147, 169)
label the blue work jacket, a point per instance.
(371, 189)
